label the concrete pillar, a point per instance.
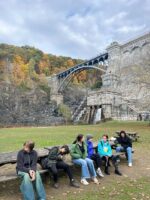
(107, 111)
(53, 83)
(114, 52)
(110, 80)
(57, 97)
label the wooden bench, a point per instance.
(11, 158)
(133, 135)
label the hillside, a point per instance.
(21, 65)
(24, 92)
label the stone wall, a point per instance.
(126, 84)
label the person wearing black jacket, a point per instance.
(126, 145)
(27, 169)
(55, 161)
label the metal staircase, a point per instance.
(80, 111)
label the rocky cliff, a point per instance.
(29, 107)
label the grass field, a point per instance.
(133, 185)
(13, 138)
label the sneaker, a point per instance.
(73, 183)
(99, 172)
(84, 181)
(56, 186)
(118, 172)
(130, 165)
(95, 180)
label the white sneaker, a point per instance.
(95, 180)
(99, 172)
(130, 165)
(84, 181)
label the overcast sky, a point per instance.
(76, 28)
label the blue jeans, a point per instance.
(87, 167)
(128, 151)
(27, 187)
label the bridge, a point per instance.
(119, 81)
(58, 82)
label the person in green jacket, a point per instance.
(79, 156)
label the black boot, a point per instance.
(73, 183)
(118, 172)
(116, 161)
(107, 171)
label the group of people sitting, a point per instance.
(83, 153)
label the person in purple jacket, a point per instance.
(94, 156)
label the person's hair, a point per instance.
(29, 144)
(122, 132)
(67, 151)
(105, 135)
(78, 138)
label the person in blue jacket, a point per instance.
(93, 155)
(105, 151)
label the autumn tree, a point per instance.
(20, 70)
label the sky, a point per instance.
(75, 28)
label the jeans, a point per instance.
(128, 151)
(27, 187)
(87, 167)
(60, 165)
(97, 159)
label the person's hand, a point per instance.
(32, 175)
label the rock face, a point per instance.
(73, 97)
(30, 107)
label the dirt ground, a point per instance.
(141, 168)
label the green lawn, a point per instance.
(13, 138)
(125, 188)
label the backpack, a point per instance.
(51, 159)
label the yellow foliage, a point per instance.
(44, 64)
(20, 70)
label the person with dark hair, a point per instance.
(94, 156)
(27, 169)
(79, 157)
(105, 152)
(55, 161)
(126, 145)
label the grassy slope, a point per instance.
(12, 138)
